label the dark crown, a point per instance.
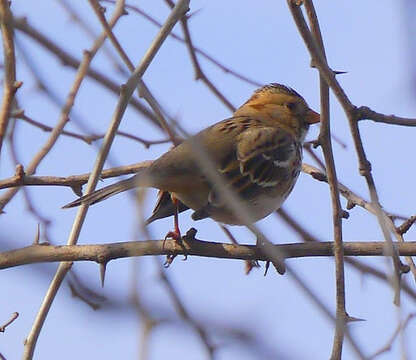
(275, 87)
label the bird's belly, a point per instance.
(257, 209)
(194, 199)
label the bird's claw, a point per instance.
(174, 235)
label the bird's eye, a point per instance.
(291, 106)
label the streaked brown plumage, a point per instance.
(258, 151)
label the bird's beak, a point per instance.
(312, 117)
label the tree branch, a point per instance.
(103, 253)
(10, 84)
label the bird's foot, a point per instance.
(277, 259)
(250, 265)
(174, 235)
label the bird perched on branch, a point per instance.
(258, 153)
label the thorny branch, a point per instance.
(47, 253)
(20, 114)
(324, 141)
(350, 110)
(22, 25)
(103, 253)
(199, 74)
(14, 316)
(195, 49)
(394, 336)
(63, 268)
(10, 85)
(125, 95)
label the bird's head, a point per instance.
(282, 106)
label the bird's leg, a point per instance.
(278, 261)
(176, 233)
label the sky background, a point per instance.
(372, 41)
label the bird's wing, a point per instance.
(264, 156)
(165, 207)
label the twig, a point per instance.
(89, 30)
(142, 87)
(14, 316)
(184, 314)
(73, 181)
(199, 74)
(324, 141)
(65, 267)
(20, 173)
(125, 95)
(395, 334)
(358, 265)
(350, 110)
(365, 113)
(22, 25)
(354, 199)
(404, 228)
(198, 50)
(249, 264)
(10, 84)
(82, 292)
(64, 116)
(86, 138)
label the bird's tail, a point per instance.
(105, 192)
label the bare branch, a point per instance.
(86, 138)
(358, 265)
(387, 347)
(22, 25)
(196, 49)
(125, 95)
(103, 253)
(10, 84)
(199, 74)
(73, 181)
(350, 110)
(324, 141)
(365, 113)
(14, 316)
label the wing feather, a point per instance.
(265, 155)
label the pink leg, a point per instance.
(176, 233)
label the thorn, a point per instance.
(404, 269)
(403, 228)
(17, 84)
(77, 189)
(19, 172)
(266, 268)
(103, 268)
(316, 143)
(280, 267)
(349, 319)
(319, 176)
(168, 261)
(350, 205)
(250, 265)
(190, 234)
(36, 241)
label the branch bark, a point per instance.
(103, 253)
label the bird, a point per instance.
(257, 151)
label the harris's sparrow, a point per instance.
(258, 151)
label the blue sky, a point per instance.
(371, 40)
